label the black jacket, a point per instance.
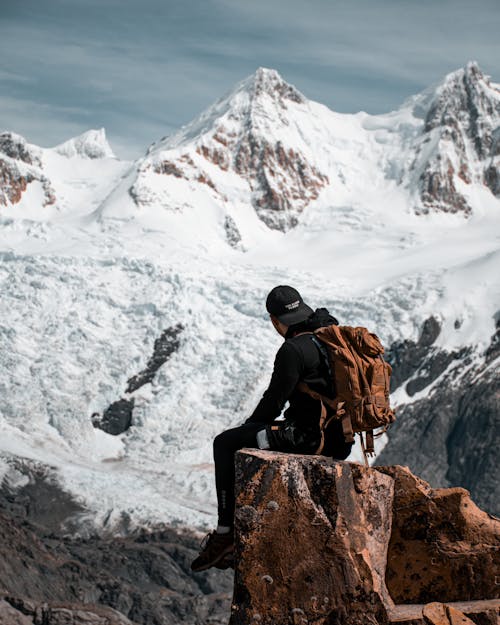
(299, 359)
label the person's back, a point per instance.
(302, 359)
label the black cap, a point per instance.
(285, 303)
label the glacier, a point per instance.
(264, 188)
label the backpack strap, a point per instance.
(322, 427)
(337, 405)
(368, 448)
(386, 378)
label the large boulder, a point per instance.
(326, 542)
(312, 539)
(442, 547)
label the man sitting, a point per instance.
(299, 359)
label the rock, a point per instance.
(450, 436)
(166, 345)
(117, 418)
(442, 547)
(16, 147)
(318, 540)
(486, 612)
(233, 235)
(459, 143)
(144, 574)
(319, 554)
(13, 183)
(419, 364)
(11, 616)
(14, 611)
(441, 614)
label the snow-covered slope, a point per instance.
(44, 184)
(264, 188)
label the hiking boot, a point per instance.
(214, 550)
(227, 562)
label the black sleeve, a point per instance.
(288, 367)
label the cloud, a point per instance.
(143, 69)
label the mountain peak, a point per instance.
(262, 95)
(459, 144)
(269, 82)
(466, 89)
(91, 144)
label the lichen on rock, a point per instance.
(322, 541)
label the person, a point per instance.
(299, 359)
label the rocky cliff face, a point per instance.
(20, 166)
(460, 142)
(51, 574)
(449, 436)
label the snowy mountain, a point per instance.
(91, 144)
(259, 143)
(133, 293)
(460, 142)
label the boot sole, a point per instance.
(214, 562)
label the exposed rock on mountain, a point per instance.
(442, 546)
(53, 576)
(254, 133)
(451, 435)
(117, 417)
(317, 541)
(409, 359)
(166, 345)
(459, 144)
(16, 147)
(441, 614)
(20, 165)
(233, 235)
(281, 180)
(19, 611)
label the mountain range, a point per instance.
(133, 292)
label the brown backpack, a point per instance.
(361, 380)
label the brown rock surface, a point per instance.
(312, 538)
(441, 614)
(485, 612)
(442, 547)
(317, 540)
(10, 616)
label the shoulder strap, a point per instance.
(323, 351)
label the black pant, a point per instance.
(230, 441)
(226, 445)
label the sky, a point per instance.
(141, 69)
